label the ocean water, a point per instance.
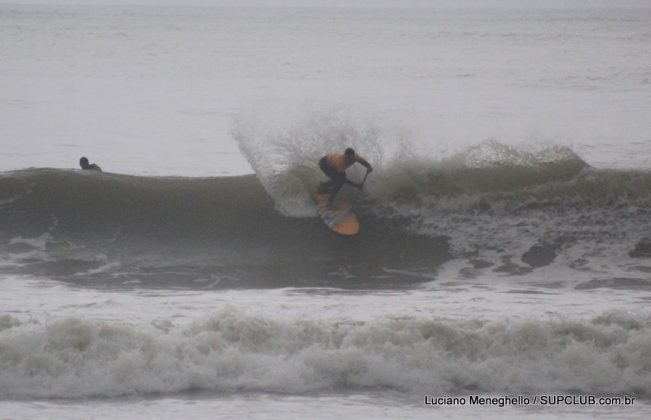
(503, 268)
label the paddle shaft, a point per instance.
(361, 184)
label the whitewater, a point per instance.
(505, 244)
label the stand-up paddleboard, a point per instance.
(337, 216)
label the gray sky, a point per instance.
(358, 3)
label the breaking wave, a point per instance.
(232, 351)
(497, 207)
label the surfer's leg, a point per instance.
(326, 187)
(335, 189)
(336, 181)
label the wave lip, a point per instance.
(230, 351)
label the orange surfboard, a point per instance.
(338, 216)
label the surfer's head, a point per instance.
(349, 155)
(83, 162)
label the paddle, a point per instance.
(361, 184)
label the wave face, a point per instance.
(231, 351)
(188, 232)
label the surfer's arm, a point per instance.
(363, 162)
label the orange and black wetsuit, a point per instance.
(335, 165)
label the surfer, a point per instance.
(83, 162)
(335, 165)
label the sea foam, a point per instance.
(233, 351)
